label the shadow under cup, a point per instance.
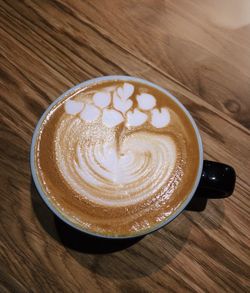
(212, 179)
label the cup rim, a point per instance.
(85, 84)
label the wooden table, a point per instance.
(199, 50)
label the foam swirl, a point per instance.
(108, 172)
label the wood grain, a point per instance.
(197, 50)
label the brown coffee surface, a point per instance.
(116, 180)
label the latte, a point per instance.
(116, 158)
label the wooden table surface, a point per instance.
(200, 51)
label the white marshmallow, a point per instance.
(121, 104)
(125, 91)
(90, 113)
(160, 118)
(111, 118)
(146, 101)
(136, 118)
(102, 99)
(73, 107)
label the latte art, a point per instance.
(114, 157)
(104, 176)
(120, 104)
(109, 170)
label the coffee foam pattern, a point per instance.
(105, 175)
(110, 170)
(115, 104)
(108, 177)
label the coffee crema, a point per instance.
(116, 158)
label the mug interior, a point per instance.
(86, 84)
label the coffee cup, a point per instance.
(120, 157)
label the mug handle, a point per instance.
(217, 180)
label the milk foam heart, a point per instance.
(73, 107)
(120, 104)
(136, 118)
(146, 101)
(160, 118)
(102, 99)
(125, 91)
(111, 118)
(90, 113)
